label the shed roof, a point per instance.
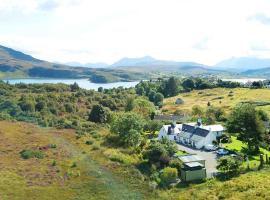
(194, 164)
(190, 158)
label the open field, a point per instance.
(70, 168)
(220, 97)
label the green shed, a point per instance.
(192, 171)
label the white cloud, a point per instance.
(105, 30)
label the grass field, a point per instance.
(72, 170)
(250, 186)
(220, 97)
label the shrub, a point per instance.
(53, 146)
(74, 164)
(96, 147)
(26, 154)
(228, 165)
(168, 176)
(117, 156)
(89, 142)
(54, 163)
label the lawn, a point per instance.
(220, 97)
(239, 146)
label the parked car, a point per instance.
(210, 147)
(222, 152)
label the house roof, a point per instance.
(190, 158)
(201, 132)
(188, 128)
(216, 127)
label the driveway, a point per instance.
(210, 158)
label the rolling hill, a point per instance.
(15, 64)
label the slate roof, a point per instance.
(201, 132)
(188, 128)
(192, 130)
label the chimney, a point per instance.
(199, 122)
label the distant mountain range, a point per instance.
(243, 64)
(15, 64)
(89, 65)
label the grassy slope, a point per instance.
(212, 95)
(93, 178)
(251, 186)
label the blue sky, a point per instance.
(205, 31)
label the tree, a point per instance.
(40, 105)
(129, 104)
(160, 152)
(188, 84)
(98, 114)
(143, 107)
(158, 100)
(257, 84)
(157, 154)
(128, 126)
(168, 176)
(245, 121)
(133, 138)
(229, 165)
(170, 146)
(171, 87)
(100, 89)
(263, 115)
(153, 126)
(152, 95)
(74, 87)
(27, 105)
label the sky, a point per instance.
(204, 31)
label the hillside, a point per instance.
(94, 177)
(254, 185)
(15, 64)
(220, 97)
(263, 72)
(55, 176)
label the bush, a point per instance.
(96, 147)
(168, 176)
(117, 156)
(89, 142)
(53, 146)
(26, 154)
(228, 165)
(74, 164)
(54, 163)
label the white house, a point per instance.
(192, 134)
